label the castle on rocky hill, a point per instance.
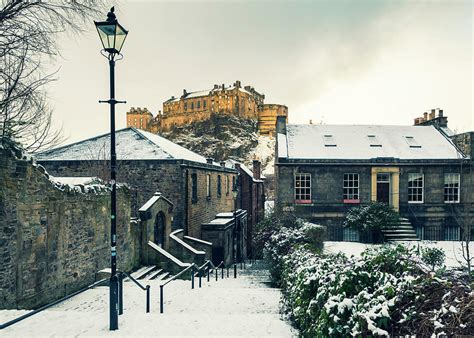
(195, 106)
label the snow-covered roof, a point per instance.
(365, 142)
(131, 144)
(205, 92)
(231, 164)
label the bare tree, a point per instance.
(28, 33)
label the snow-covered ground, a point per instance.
(231, 307)
(451, 249)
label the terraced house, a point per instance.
(323, 170)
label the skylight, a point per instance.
(412, 142)
(374, 141)
(329, 141)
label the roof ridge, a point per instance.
(79, 142)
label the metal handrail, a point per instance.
(192, 266)
(179, 274)
(44, 307)
(144, 288)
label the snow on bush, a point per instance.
(379, 294)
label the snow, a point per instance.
(74, 180)
(265, 153)
(131, 144)
(452, 249)
(242, 307)
(352, 142)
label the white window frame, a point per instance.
(208, 186)
(413, 190)
(346, 179)
(446, 191)
(299, 194)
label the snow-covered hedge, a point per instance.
(328, 295)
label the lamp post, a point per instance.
(235, 191)
(112, 35)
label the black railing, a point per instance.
(44, 307)
(144, 288)
(192, 266)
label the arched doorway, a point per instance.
(159, 229)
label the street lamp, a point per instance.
(235, 191)
(112, 35)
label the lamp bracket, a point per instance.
(112, 101)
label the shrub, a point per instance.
(434, 257)
(370, 219)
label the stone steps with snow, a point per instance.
(244, 307)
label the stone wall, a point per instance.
(267, 117)
(465, 142)
(54, 238)
(327, 206)
(146, 177)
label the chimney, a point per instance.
(237, 166)
(310, 121)
(223, 86)
(256, 169)
(185, 92)
(222, 164)
(440, 112)
(425, 116)
(238, 84)
(432, 114)
(216, 86)
(209, 160)
(281, 125)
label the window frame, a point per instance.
(298, 190)
(194, 188)
(346, 195)
(208, 186)
(219, 186)
(458, 188)
(410, 189)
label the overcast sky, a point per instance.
(339, 62)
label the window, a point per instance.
(452, 233)
(351, 188)
(194, 188)
(227, 183)
(219, 186)
(329, 141)
(451, 188)
(185, 106)
(234, 183)
(208, 186)
(412, 142)
(415, 188)
(374, 141)
(198, 104)
(204, 104)
(303, 188)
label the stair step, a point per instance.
(162, 276)
(155, 274)
(145, 272)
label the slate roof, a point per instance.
(131, 144)
(365, 142)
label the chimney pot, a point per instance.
(425, 116)
(209, 160)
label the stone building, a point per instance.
(197, 187)
(324, 170)
(251, 196)
(244, 102)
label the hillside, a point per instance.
(225, 137)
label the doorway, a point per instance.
(383, 188)
(159, 229)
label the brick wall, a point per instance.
(52, 242)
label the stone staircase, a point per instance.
(147, 273)
(401, 232)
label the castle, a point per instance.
(195, 106)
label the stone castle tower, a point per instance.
(195, 106)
